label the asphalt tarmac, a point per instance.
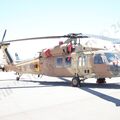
(49, 98)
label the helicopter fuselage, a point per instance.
(69, 60)
(95, 64)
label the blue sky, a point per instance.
(30, 18)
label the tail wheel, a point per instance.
(75, 81)
(3, 69)
(17, 78)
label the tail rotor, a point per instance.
(4, 36)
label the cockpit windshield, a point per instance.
(118, 55)
(112, 56)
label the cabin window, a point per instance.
(98, 59)
(80, 61)
(84, 60)
(68, 61)
(59, 62)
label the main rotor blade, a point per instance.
(71, 36)
(104, 37)
(35, 38)
(49, 37)
(3, 36)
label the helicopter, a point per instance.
(67, 59)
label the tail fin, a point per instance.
(6, 54)
(4, 47)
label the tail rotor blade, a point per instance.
(4, 35)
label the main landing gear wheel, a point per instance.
(75, 81)
(101, 80)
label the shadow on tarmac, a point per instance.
(108, 98)
(88, 87)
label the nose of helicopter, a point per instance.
(115, 69)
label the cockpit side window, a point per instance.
(98, 59)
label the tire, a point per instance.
(3, 69)
(75, 82)
(17, 78)
(101, 80)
